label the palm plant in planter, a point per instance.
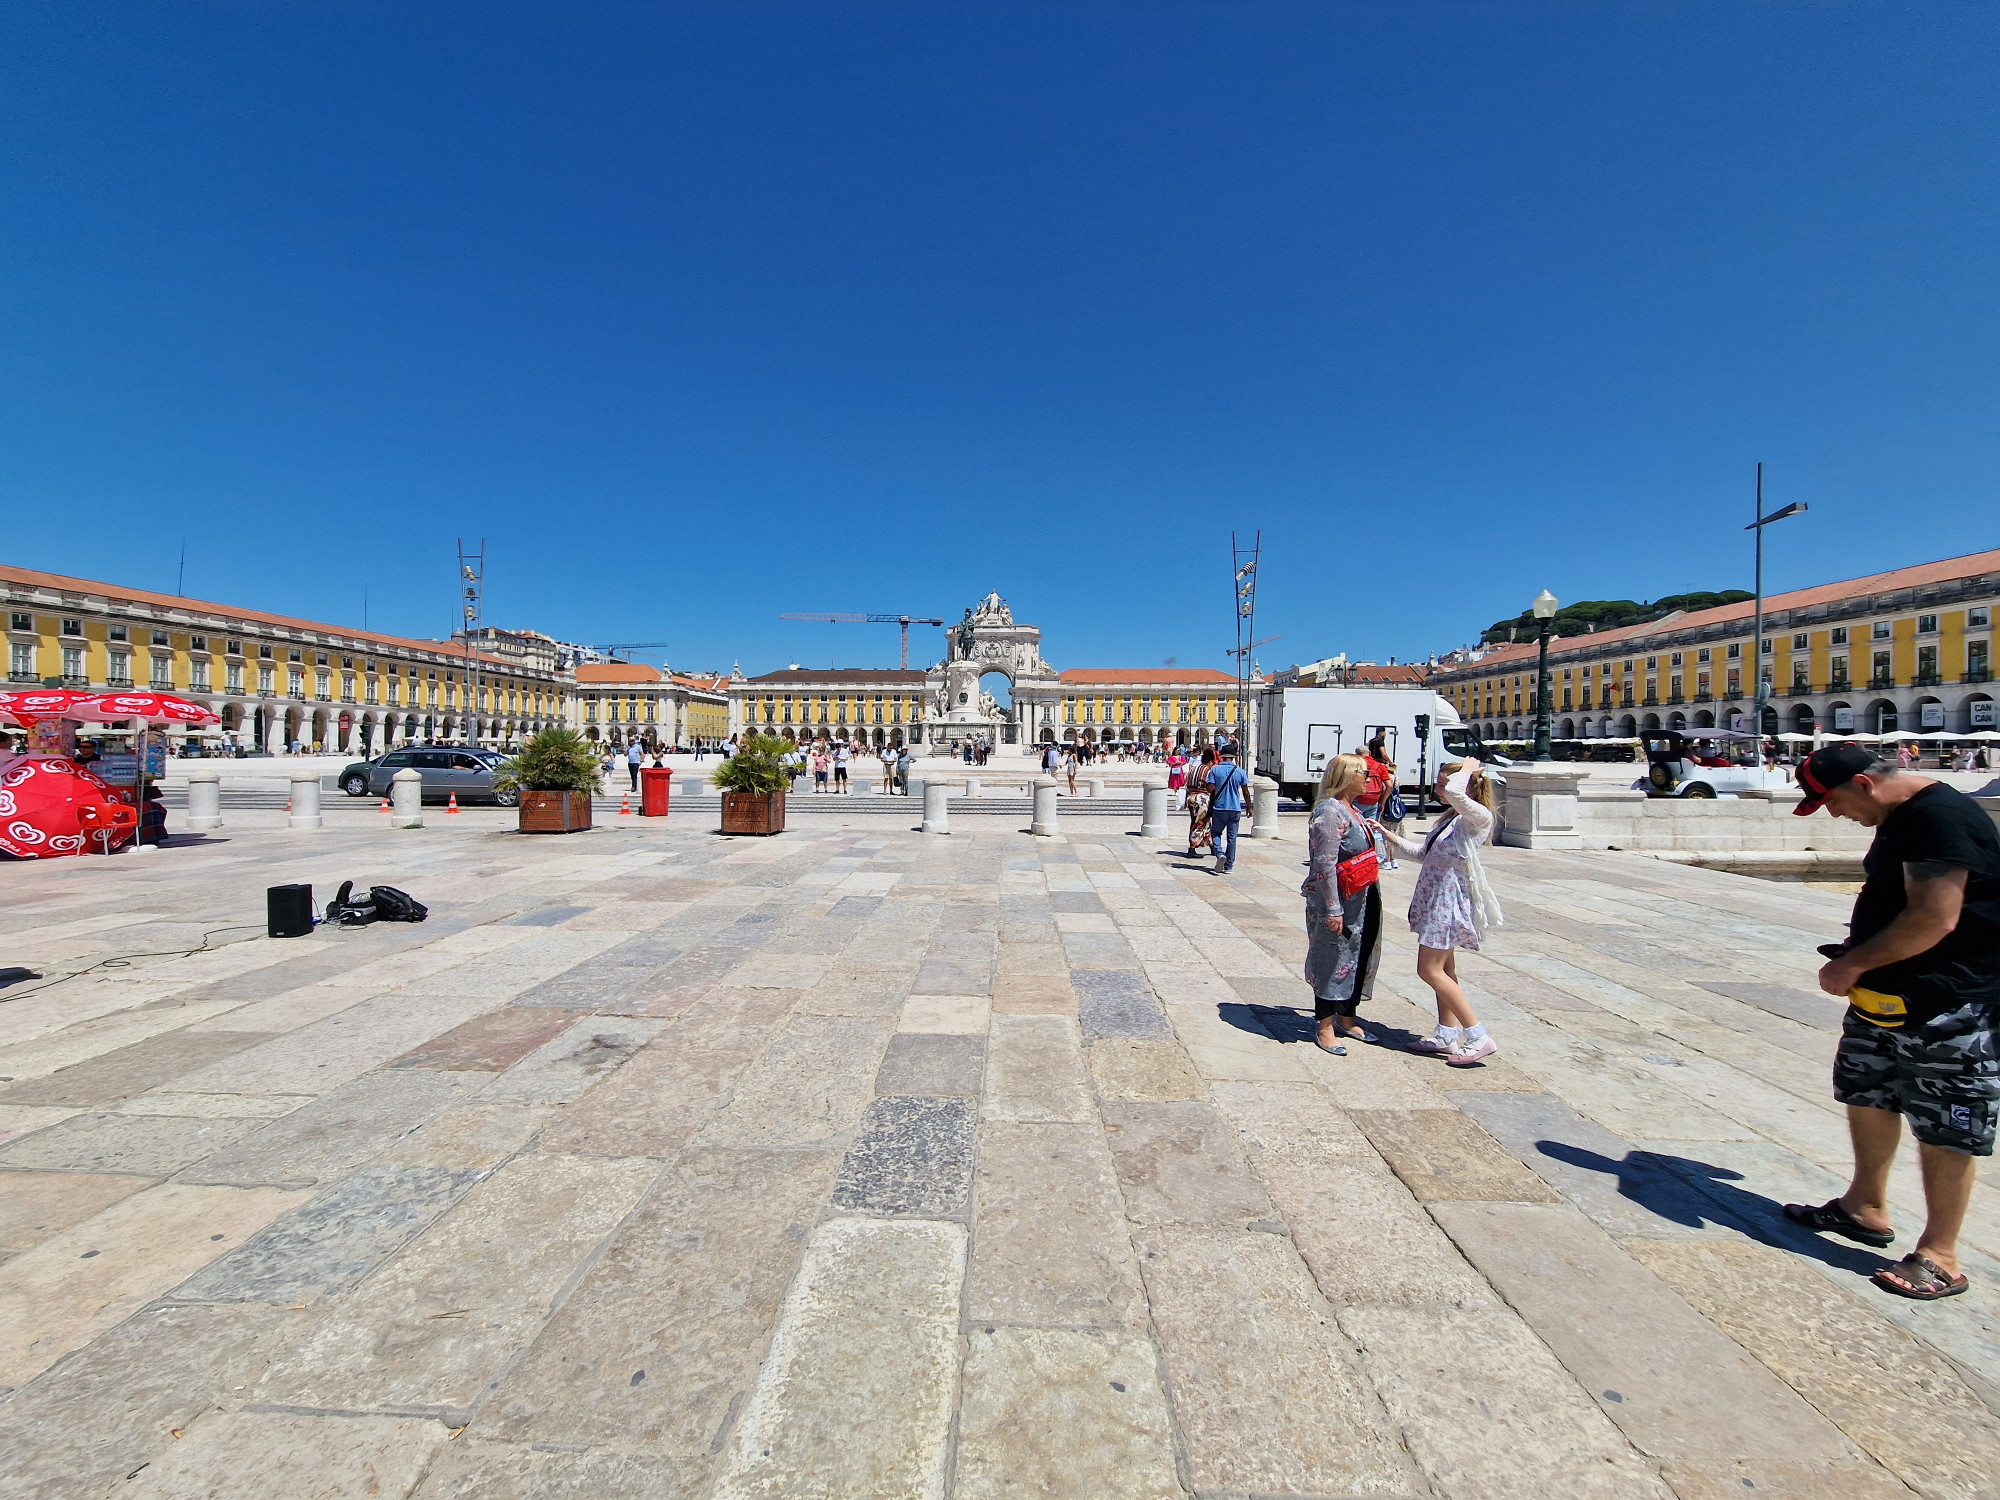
(753, 783)
(555, 772)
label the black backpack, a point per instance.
(383, 903)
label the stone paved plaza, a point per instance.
(863, 1163)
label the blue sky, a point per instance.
(699, 314)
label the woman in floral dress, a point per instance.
(1452, 906)
(1198, 799)
(1342, 932)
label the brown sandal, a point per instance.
(1919, 1278)
(1832, 1217)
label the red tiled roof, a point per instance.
(1147, 676)
(1971, 565)
(118, 592)
(615, 671)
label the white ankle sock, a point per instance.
(1447, 1033)
(1475, 1033)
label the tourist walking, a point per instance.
(1177, 776)
(1069, 768)
(1225, 809)
(635, 755)
(821, 765)
(1051, 759)
(841, 756)
(1920, 971)
(1380, 800)
(1343, 905)
(1200, 794)
(904, 760)
(1452, 906)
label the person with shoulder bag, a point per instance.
(1343, 905)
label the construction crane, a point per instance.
(906, 621)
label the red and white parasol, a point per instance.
(154, 710)
(50, 806)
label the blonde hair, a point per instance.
(1342, 775)
(1479, 789)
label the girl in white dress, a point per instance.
(1453, 905)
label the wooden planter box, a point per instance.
(555, 812)
(753, 812)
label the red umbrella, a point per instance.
(50, 807)
(151, 709)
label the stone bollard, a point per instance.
(1096, 785)
(204, 799)
(305, 800)
(914, 790)
(937, 807)
(406, 799)
(972, 787)
(1263, 808)
(861, 788)
(1045, 808)
(1153, 806)
(692, 786)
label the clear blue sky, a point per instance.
(700, 314)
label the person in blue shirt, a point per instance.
(1225, 781)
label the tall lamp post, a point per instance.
(1544, 610)
(1760, 694)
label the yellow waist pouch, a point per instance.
(1881, 1009)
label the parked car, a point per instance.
(1680, 765)
(447, 772)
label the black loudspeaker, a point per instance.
(289, 909)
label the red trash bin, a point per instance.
(653, 791)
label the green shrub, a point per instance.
(757, 766)
(552, 760)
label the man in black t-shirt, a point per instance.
(1920, 971)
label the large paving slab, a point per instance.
(861, 1162)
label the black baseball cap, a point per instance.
(1828, 767)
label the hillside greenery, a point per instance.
(1587, 615)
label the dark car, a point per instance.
(447, 772)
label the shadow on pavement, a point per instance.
(1656, 1182)
(1284, 1025)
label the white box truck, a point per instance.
(1299, 729)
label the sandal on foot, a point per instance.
(1919, 1278)
(1832, 1218)
(1334, 1047)
(1364, 1036)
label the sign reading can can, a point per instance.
(1843, 719)
(1982, 713)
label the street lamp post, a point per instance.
(1544, 610)
(1760, 694)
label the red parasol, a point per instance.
(151, 709)
(50, 806)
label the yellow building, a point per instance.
(862, 705)
(1909, 650)
(1140, 705)
(274, 680)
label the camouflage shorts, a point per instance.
(1945, 1075)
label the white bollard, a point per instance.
(915, 790)
(204, 799)
(1045, 808)
(937, 807)
(1264, 808)
(1153, 819)
(972, 787)
(406, 799)
(305, 800)
(1096, 785)
(692, 786)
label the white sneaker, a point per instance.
(1466, 1054)
(1438, 1045)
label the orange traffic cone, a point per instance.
(452, 806)
(625, 807)
(385, 804)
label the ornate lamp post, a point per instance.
(1760, 694)
(1544, 610)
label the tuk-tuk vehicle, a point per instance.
(1695, 763)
